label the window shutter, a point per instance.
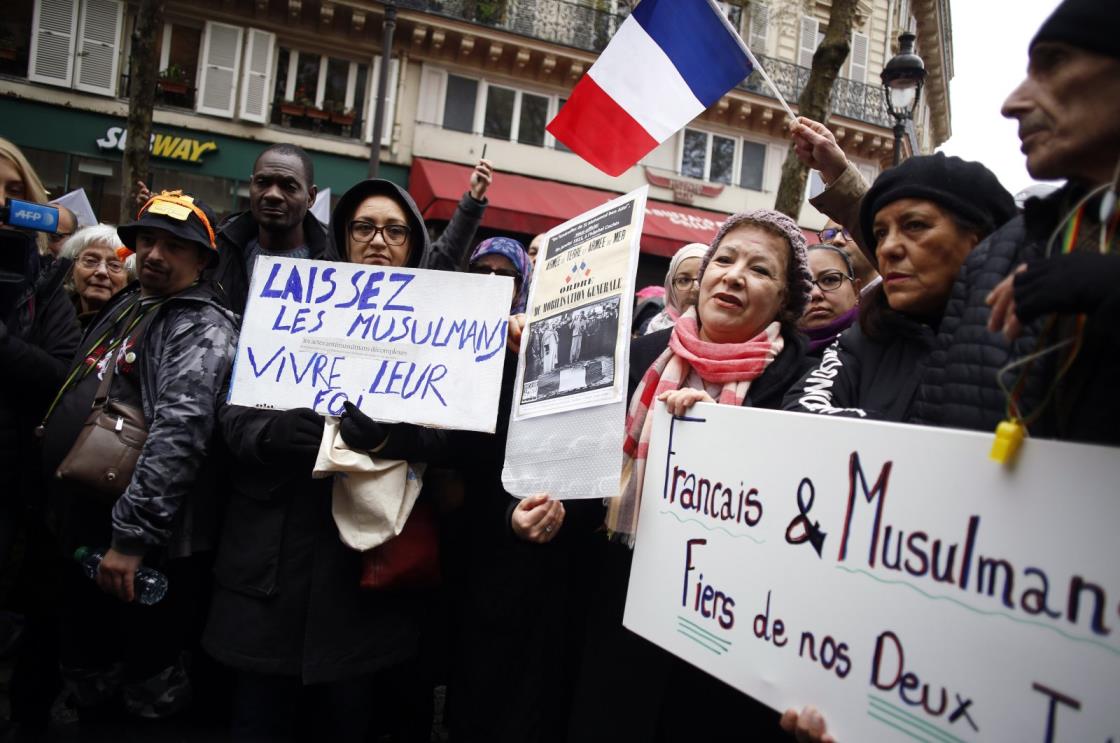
(857, 59)
(221, 61)
(433, 84)
(390, 101)
(99, 40)
(256, 85)
(809, 31)
(52, 42)
(760, 26)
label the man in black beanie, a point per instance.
(1051, 276)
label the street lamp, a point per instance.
(903, 77)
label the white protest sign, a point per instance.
(402, 344)
(891, 575)
(569, 406)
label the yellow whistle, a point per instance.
(1009, 437)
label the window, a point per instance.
(809, 39)
(458, 107)
(320, 93)
(498, 121)
(77, 44)
(717, 159)
(857, 59)
(15, 41)
(760, 23)
(532, 119)
(753, 162)
(467, 105)
(178, 64)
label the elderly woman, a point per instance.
(681, 286)
(834, 301)
(97, 272)
(920, 220)
(315, 655)
(738, 346)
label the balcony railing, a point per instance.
(589, 25)
(852, 99)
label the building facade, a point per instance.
(465, 76)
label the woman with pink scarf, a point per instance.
(738, 346)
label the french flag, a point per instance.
(669, 61)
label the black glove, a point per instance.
(362, 433)
(293, 434)
(1066, 284)
(359, 431)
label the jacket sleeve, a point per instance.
(830, 388)
(38, 365)
(189, 374)
(449, 252)
(840, 201)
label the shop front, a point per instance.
(73, 149)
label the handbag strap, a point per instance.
(137, 329)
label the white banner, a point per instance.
(402, 344)
(892, 575)
(569, 405)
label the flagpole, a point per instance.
(769, 82)
(754, 60)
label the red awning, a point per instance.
(530, 206)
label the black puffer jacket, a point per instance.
(864, 376)
(959, 387)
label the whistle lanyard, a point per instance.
(86, 364)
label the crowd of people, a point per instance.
(931, 298)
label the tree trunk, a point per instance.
(815, 98)
(143, 74)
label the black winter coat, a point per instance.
(36, 343)
(630, 689)
(864, 377)
(517, 607)
(287, 599)
(959, 387)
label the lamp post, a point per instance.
(388, 26)
(903, 77)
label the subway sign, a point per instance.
(163, 146)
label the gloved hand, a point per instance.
(1066, 284)
(362, 433)
(293, 434)
(359, 431)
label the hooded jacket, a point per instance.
(287, 600)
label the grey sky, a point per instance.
(990, 40)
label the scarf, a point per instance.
(515, 253)
(825, 335)
(672, 312)
(734, 365)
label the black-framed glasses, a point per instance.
(92, 263)
(830, 281)
(508, 272)
(829, 233)
(364, 232)
(685, 282)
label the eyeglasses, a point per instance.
(830, 233)
(56, 237)
(480, 269)
(92, 263)
(685, 282)
(393, 234)
(829, 281)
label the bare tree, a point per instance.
(815, 98)
(143, 73)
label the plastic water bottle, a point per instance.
(150, 585)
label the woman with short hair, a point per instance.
(834, 301)
(97, 272)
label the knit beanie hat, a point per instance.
(967, 189)
(798, 279)
(1093, 25)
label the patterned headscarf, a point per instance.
(514, 252)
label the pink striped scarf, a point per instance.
(734, 365)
